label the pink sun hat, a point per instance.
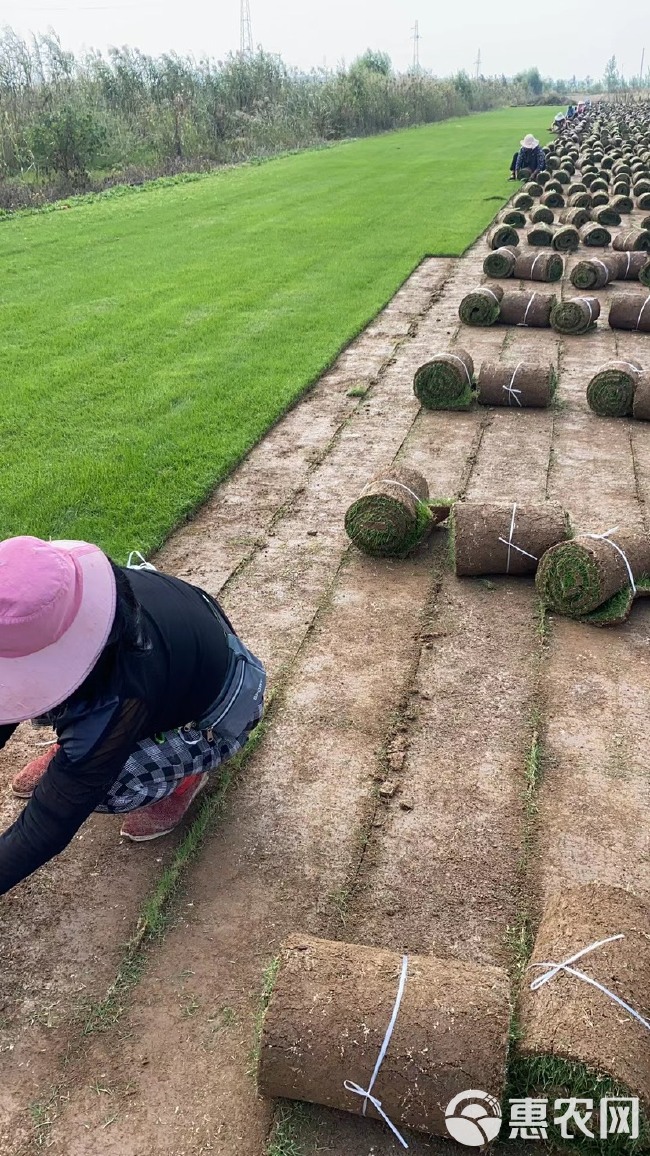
(57, 605)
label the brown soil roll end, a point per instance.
(570, 1019)
(327, 1019)
(641, 402)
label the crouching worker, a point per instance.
(530, 156)
(143, 678)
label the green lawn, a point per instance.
(148, 341)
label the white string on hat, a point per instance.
(555, 968)
(356, 1089)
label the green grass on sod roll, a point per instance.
(514, 217)
(382, 527)
(173, 324)
(552, 1078)
(499, 263)
(610, 392)
(481, 307)
(439, 385)
(644, 275)
(566, 239)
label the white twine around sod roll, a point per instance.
(510, 544)
(539, 257)
(394, 482)
(555, 968)
(587, 301)
(597, 261)
(484, 289)
(525, 320)
(513, 392)
(629, 260)
(643, 308)
(356, 1089)
(606, 538)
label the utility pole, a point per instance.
(245, 31)
(478, 64)
(642, 63)
(416, 48)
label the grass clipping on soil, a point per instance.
(588, 577)
(446, 381)
(574, 1039)
(393, 513)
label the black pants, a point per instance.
(513, 166)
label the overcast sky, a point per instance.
(561, 37)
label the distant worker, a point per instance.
(571, 112)
(530, 156)
(581, 108)
(559, 122)
(143, 679)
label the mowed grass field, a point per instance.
(149, 340)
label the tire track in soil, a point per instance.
(290, 851)
(75, 896)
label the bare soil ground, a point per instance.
(385, 803)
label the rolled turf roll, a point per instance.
(445, 382)
(328, 1017)
(566, 239)
(531, 310)
(641, 186)
(576, 316)
(594, 273)
(552, 199)
(576, 187)
(391, 515)
(641, 400)
(580, 201)
(538, 266)
(599, 185)
(595, 236)
(502, 235)
(524, 174)
(622, 204)
(522, 201)
(645, 223)
(575, 217)
(629, 311)
(533, 189)
(632, 240)
(502, 537)
(571, 1033)
(543, 177)
(606, 216)
(621, 189)
(520, 386)
(643, 202)
(563, 176)
(554, 187)
(580, 577)
(630, 264)
(540, 235)
(500, 263)
(514, 217)
(644, 275)
(610, 392)
(599, 199)
(542, 215)
(481, 306)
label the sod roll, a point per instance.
(552, 199)
(532, 310)
(502, 235)
(630, 311)
(643, 202)
(504, 537)
(578, 577)
(566, 239)
(641, 402)
(581, 1027)
(595, 236)
(328, 1016)
(533, 189)
(514, 217)
(520, 386)
(606, 216)
(481, 306)
(594, 273)
(575, 217)
(540, 235)
(391, 515)
(542, 215)
(630, 265)
(538, 266)
(622, 204)
(610, 391)
(633, 240)
(445, 382)
(644, 275)
(599, 199)
(581, 201)
(500, 263)
(575, 316)
(522, 201)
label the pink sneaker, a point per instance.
(24, 782)
(160, 818)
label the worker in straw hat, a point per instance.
(530, 156)
(143, 678)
